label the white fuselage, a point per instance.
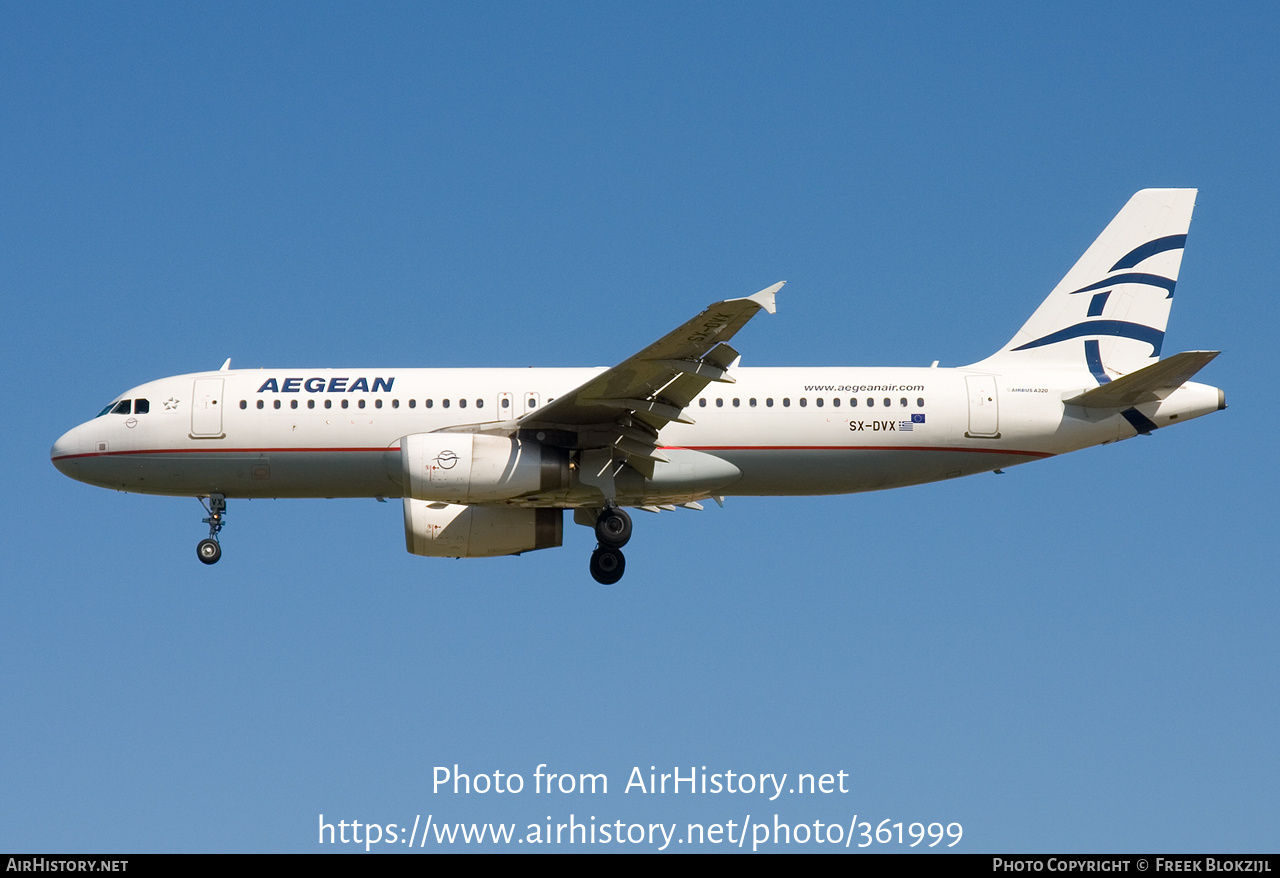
(789, 431)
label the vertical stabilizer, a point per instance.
(1108, 315)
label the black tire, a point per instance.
(613, 528)
(209, 551)
(607, 566)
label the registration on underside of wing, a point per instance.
(623, 408)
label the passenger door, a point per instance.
(206, 409)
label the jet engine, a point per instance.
(446, 530)
(473, 468)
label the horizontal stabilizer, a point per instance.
(1148, 384)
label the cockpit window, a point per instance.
(127, 406)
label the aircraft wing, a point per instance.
(625, 407)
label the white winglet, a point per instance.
(765, 298)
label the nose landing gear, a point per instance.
(208, 550)
(613, 531)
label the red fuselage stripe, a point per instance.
(861, 448)
(224, 450)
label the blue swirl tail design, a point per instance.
(1107, 316)
(1118, 328)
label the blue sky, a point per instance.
(1079, 655)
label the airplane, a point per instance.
(486, 461)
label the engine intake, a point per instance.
(472, 468)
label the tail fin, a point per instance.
(1108, 315)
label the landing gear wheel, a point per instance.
(209, 551)
(613, 528)
(607, 565)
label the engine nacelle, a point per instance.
(446, 530)
(472, 468)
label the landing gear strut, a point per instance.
(613, 531)
(208, 550)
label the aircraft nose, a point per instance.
(65, 451)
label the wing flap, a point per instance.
(704, 368)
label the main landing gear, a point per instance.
(208, 550)
(613, 530)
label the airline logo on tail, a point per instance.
(1102, 290)
(1116, 299)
